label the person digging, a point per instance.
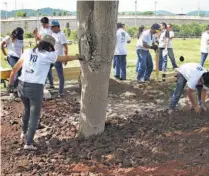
(197, 78)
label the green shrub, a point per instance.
(67, 32)
(28, 35)
(73, 35)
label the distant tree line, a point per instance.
(181, 31)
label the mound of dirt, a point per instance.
(147, 142)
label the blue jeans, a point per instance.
(181, 82)
(60, 73)
(50, 76)
(12, 60)
(145, 65)
(203, 58)
(137, 62)
(172, 58)
(31, 95)
(120, 66)
(162, 60)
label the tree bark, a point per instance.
(96, 37)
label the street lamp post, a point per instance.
(135, 11)
(199, 8)
(6, 8)
(155, 7)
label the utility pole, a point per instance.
(6, 8)
(198, 7)
(15, 9)
(155, 8)
(135, 11)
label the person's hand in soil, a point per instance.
(196, 109)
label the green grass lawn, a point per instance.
(189, 48)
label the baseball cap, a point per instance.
(206, 79)
(119, 25)
(49, 39)
(18, 33)
(54, 23)
(156, 26)
(45, 20)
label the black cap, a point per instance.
(205, 77)
(119, 25)
(44, 20)
(156, 26)
(18, 33)
(207, 28)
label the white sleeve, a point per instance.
(7, 39)
(128, 37)
(52, 57)
(63, 39)
(171, 34)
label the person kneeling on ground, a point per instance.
(35, 65)
(196, 77)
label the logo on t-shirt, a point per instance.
(199, 68)
(32, 63)
(123, 37)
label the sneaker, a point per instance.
(122, 79)
(23, 137)
(51, 87)
(117, 77)
(60, 95)
(29, 147)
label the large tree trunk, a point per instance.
(96, 35)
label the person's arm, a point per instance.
(67, 58)
(146, 45)
(15, 69)
(128, 38)
(203, 98)
(3, 48)
(192, 100)
(36, 34)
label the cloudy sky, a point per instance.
(175, 6)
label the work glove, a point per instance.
(154, 47)
(79, 57)
(10, 89)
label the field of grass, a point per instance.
(189, 48)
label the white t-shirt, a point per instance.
(121, 42)
(146, 37)
(162, 39)
(36, 66)
(171, 35)
(192, 72)
(45, 31)
(60, 40)
(204, 47)
(14, 48)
